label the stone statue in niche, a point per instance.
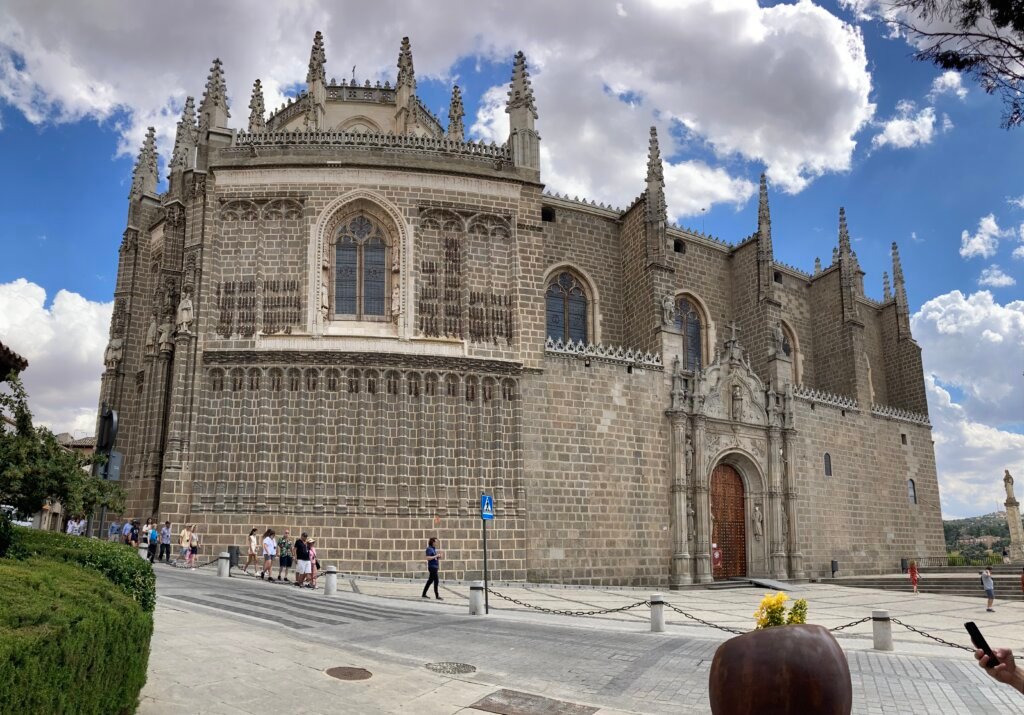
(151, 334)
(689, 457)
(678, 384)
(166, 333)
(1008, 483)
(668, 310)
(114, 352)
(737, 403)
(758, 522)
(691, 516)
(186, 313)
(778, 339)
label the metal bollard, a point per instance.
(331, 580)
(881, 630)
(476, 598)
(223, 564)
(657, 613)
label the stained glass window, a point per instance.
(689, 323)
(361, 270)
(566, 309)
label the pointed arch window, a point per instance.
(567, 304)
(828, 464)
(911, 491)
(690, 324)
(361, 275)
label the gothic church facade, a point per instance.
(350, 320)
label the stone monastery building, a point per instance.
(347, 319)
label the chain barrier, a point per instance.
(561, 612)
(851, 624)
(943, 641)
(701, 621)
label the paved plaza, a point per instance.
(243, 646)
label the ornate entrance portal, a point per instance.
(728, 519)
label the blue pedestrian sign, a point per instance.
(486, 507)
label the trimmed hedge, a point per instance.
(70, 642)
(119, 563)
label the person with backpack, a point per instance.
(302, 566)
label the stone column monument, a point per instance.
(1013, 520)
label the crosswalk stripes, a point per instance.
(297, 613)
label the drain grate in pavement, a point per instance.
(345, 673)
(513, 702)
(451, 668)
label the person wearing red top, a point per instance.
(915, 575)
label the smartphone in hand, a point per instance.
(979, 642)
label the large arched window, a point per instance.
(566, 301)
(361, 274)
(690, 324)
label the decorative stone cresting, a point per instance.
(895, 413)
(604, 353)
(825, 398)
(373, 140)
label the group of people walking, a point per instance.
(157, 539)
(299, 555)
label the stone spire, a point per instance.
(656, 207)
(522, 110)
(213, 110)
(900, 287)
(405, 90)
(886, 292)
(455, 114)
(844, 233)
(183, 156)
(765, 252)
(317, 60)
(144, 177)
(316, 86)
(406, 74)
(257, 122)
(817, 265)
(849, 271)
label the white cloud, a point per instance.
(1018, 202)
(949, 82)
(1018, 253)
(994, 277)
(908, 129)
(914, 238)
(985, 241)
(64, 346)
(751, 93)
(976, 345)
(970, 456)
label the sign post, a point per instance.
(486, 514)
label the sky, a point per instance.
(823, 97)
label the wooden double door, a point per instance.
(728, 523)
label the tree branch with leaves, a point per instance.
(982, 38)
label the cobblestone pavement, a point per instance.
(612, 662)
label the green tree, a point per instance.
(35, 467)
(984, 38)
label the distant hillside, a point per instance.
(985, 525)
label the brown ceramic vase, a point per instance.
(786, 670)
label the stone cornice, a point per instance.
(377, 360)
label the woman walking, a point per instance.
(914, 575)
(433, 556)
(193, 545)
(184, 543)
(253, 546)
(284, 555)
(314, 565)
(269, 551)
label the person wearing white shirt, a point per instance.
(269, 551)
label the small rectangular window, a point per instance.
(547, 214)
(903, 438)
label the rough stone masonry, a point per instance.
(347, 319)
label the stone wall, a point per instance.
(861, 516)
(596, 474)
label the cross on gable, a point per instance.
(732, 327)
